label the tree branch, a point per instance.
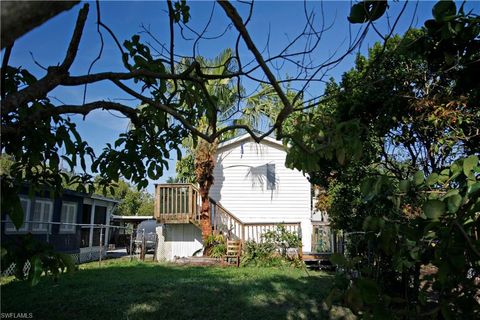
(54, 76)
(19, 17)
(467, 238)
(6, 57)
(239, 25)
(165, 108)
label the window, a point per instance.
(69, 215)
(42, 213)
(100, 215)
(96, 237)
(10, 227)
(87, 214)
(85, 237)
(271, 183)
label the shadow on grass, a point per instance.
(153, 291)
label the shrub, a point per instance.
(215, 246)
(282, 239)
(273, 250)
(40, 255)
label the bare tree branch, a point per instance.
(19, 17)
(54, 75)
(240, 26)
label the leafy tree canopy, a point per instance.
(395, 144)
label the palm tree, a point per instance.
(258, 111)
(225, 96)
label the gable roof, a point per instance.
(246, 137)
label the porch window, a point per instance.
(43, 210)
(69, 215)
(10, 227)
(271, 176)
(100, 215)
(100, 218)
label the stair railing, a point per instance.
(181, 203)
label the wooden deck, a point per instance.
(179, 203)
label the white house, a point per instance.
(252, 182)
(252, 192)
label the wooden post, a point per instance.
(156, 208)
(101, 247)
(131, 246)
(175, 201)
(155, 246)
(142, 250)
(191, 202)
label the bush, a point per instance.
(215, 246)
(273, 250)
(40, 255)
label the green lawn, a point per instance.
(120, 289)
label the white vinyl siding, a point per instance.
(69, 215)
(42, 212)
(252, 182)
(10, 227)
(271, 180)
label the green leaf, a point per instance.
(367, 10)
(370, 223)
(418, 178)
(10, 202)
(369, 290)
(377, 10)
(404, 186)
(341, 156)
(366, 187)
(454, 202)
(444, 9)
(119, 142)
(414, 253)
(36, 270)
(432, 179)
(451, 193)
(357, 13)
(444, 175)
(353, 298)
(338, 259)
(473, 188)
(455, 169)
(469, 163)
(68, 261)
(434, 209)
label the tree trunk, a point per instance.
(205, 219)
(204, 165)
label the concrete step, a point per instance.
(198, 261)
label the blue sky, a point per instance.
(284, 20)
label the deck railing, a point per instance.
(181, 203)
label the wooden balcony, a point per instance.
(177, 203)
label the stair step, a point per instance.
(198, 261)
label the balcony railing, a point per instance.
(177, 203)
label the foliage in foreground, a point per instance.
(41, 256)
(395, 146)
(427, 263)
